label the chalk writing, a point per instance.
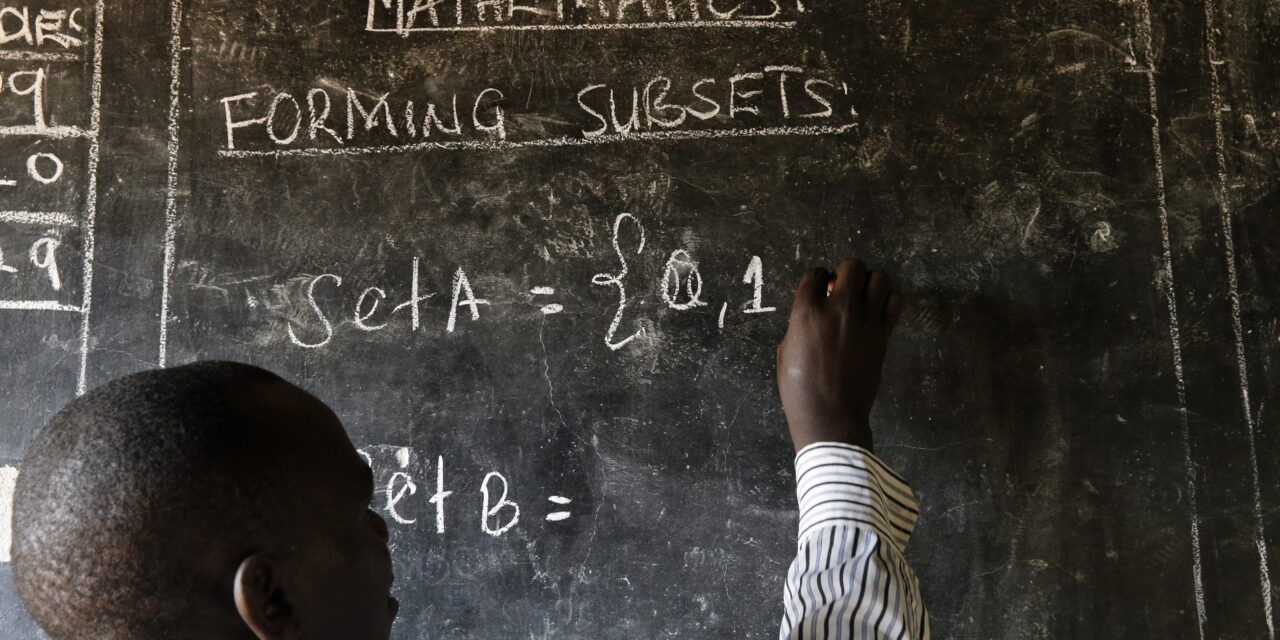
(411, 16)
(547, 309)
(42, 257)
(495, 510)
(557, 516)
(397, 490)
(367, 311)
(359, 115)
(316, 316)
(8, 481)
(44, 174)
(775, 100)
(755, 277)
(394, 468)
(618, 280)
(400, 484)
(315, 308)
(681, 274)
(439, 496)
(57, 29)
(36, 42)
(33, 261)
(462, 287)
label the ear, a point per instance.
(262, 602)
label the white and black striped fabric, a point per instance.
(849, 580)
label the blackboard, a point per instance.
(564, 292)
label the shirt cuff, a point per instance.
(844, 484)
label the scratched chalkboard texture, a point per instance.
(537, 254)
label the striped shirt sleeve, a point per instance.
(849, 579)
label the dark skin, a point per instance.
(830, 360)
(327, 573)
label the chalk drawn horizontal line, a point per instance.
(48, 56)
(36, 305)
(600, 26)
(48, 132)
(501, 145)
(38, 217)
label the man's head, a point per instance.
(213, 500)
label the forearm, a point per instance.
(849, 578)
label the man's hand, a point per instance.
(829, 362)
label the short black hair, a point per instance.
(119, 495)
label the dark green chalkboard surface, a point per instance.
(537, 255)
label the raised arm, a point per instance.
(849, 578)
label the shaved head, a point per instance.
(138, 503)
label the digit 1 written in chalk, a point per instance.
(755, 277)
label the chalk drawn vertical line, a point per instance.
(1233, 290)
(8, 482)
(1171, 300)
(171, 186)
(91, 197)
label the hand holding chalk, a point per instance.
(829, 362)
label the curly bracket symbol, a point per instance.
(616, 280)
